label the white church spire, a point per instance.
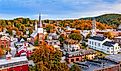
(40, 22)
(35, 25)
(93, 27)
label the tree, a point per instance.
(75, 36)
(75, 68)
(61, 39)
(109, 35)
(36, 42)
(10, 32)
(88, 35)
(46, 58)
(1, 51)
(49, 27)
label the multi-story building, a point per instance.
(103, 44)
(24, 48)
(71, 45)
(14, 63)
(52, 39)
(80, 55)
(109, 63)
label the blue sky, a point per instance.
(57, 9)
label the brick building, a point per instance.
(14, 64)
(80, 55)
(38, 33)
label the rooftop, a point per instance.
(80, 52)
(97, 38)
(13, 62)
(15, 59)
(115, 58)
(95, 64)
(109, 43)
(118, 37)
(70, 41)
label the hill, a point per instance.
(110, 19)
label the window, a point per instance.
(111, 48)
(72, 60)
(112, 51)
(50, 43)
(95, 43)
(77, 59)
(92, 43)
(55, 43)
(98, 44)
(108, 51)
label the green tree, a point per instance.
(61, 39)
(36, 42)
(75, 68)
(75, 36)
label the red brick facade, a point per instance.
(16, 68)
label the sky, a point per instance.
(57, 9)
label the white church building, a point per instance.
(101, 43)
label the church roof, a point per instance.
(34, 33)
(109, 43)
(99, 38)
(39, 30)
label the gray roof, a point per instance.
(99, 38)
(115, 58)
(91, 66)
(109, 43)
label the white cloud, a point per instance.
(82, 8)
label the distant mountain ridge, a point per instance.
(110, 19)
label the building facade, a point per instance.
(103, 44)
(38, 33)
(80, 55)
(14, 64)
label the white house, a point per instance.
(111, 47)
(103, 44)
(71, 45)
(52, 39)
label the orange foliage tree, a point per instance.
(46, 58)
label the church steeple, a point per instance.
(40, 22)
(93, 27)
(36, 26)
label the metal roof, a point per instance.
(99, 38)
(109, 43)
